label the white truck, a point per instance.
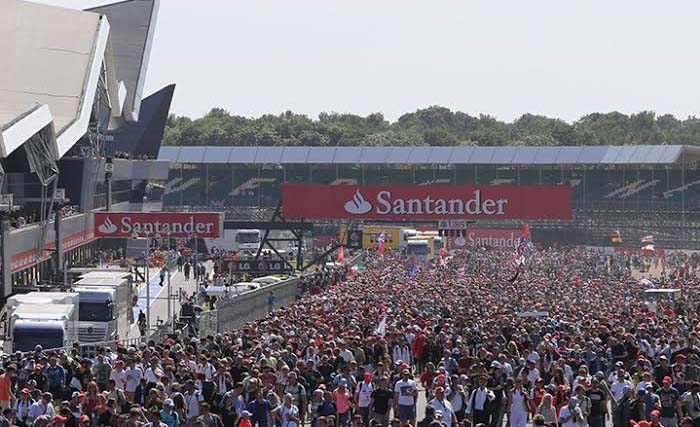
(105, 305)
(35, 315)
(237, 240)
(51, 326)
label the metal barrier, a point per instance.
(90, 350)
(249, 306)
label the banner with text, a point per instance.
(427, 202)
(158, 224)
(496, 238)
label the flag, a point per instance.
(442, 252)
(414, 267)
(341, 255)
(647, 240)
(382, 243)
(381, 327)
(523, 244)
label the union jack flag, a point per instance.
(524, 243)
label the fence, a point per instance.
(234, 313)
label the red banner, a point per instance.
(485, 237)
(158, 224)
(427, 201)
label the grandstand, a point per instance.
(644, 188)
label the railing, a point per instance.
(253, 305)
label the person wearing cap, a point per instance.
(58, 421)
(245, 420)
(193, 399)
(405, 395)
(690, 401)
(618, 385)
(570, 415)
(662, 369)
(363, 397)
(343, 402)
(22, 405)
(671, 408)
(43, 406)
(497, 385)
(168, 415)
(444, 406)
(479, 404)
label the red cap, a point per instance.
(368, 376)
(84, 419)
(59, 419)
(655, 413)
(439, 389)
(26, 391)
(667, 380)
(644, 424)
(681, 356)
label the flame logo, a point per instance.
(358, 204)
(107, 227)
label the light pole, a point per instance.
(167, 266)
(147, 263)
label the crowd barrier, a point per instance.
(247, 307)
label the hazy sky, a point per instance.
(504, 58)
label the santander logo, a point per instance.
(107, 227)
(358, 205)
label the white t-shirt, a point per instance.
(617, 388)
(405, 390)
(364, 391)
(286, 413)
(446, 408)
(565, 412)
(133, 377)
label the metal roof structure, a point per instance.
(459, 155)
(133, 24)
(51, 79)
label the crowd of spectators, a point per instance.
(569, 341)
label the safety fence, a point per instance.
(249, 306)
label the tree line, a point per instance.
(433, 126)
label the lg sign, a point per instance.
(154, 224)
(427, 202)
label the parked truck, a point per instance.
(105, 305)
(51, 326)
(35, 315)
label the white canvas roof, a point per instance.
(51, 58)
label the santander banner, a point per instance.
(158, 224)
(427, 201)
(485, 237)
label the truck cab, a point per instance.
(50, 326)
(97, 313)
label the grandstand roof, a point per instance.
(550, 155)
(132, 25)
(57, 67)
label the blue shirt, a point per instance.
(259, 409)
(56, 375)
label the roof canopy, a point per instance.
(510, 155)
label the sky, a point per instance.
(504, 58)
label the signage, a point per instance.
(427, 202)
(265, 266)
(485, 237)
(154, 224)
(354, 239)
(456, 224)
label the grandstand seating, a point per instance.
(616, 188)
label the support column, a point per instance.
(58, 255)
(5, 255)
